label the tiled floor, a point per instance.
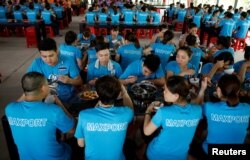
(14, 60)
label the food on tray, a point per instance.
(89, 95)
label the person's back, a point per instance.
(129, 53)
(181, 15)
(31, 15)
(115, 18)
(102, 17)
(105, 131)
(227, 120)
(177, 122)
(227, 26)
(142, 17)
(102, 129)
(46, 15)
(34, 125)
(90, 17)
(128, 16)
(242, 26)
(18, 15)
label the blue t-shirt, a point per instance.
(178, 127)
(170, 12)
(85, 41)
(164, 51)
(90, 17)
(95, 71)
(231, 50)
(225, 124)
(129, 53)
(237, 67)
(207, 68)
(236, 17)
(174, 67)
(241, 29)
(128, 16)
(102, 17)
(104, 131)
(227, 27)
(65, 66)
(113, 41)
(70, 51)
(142, 17)
(46, 15)
(115, 18)
(181, 15)
(197, 53)
(135, 69)
(156, 17)
(91, 52)
(34, 125)
(197, 20)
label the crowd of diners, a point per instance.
(84, 59)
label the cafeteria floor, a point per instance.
(15, 57)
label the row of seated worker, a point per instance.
(32, 13)
(132, 63)
(103, 128)
(207, 16)
(127, 14)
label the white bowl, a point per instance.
(194, 80)
(229, 71)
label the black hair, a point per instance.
(101, 46)
(186, 49)
(178, 85)
(191, 40)
(108, 89)
(229, 14)
(115, 28)
(192, 25)
(243, 14)
(247, 53)
(31, 5)
(224, 41)
(163, 26)
(32, 81)
(152, 62)
(168, 35)
(130, 36)
(86, 33)
(225, 56)
(47, 44)
(17, 7)
(47, 6)
(70, 37)
(230, 87)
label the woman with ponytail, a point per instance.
(129, 52)
(163, 49)
(227, 120)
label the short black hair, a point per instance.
(70, 37)
(243, 14)
(191, 40)
(224, 41)
(178, 85)
(108, 89)
(186, 49)
(101, 46)
(168, 35)
(152, 62)
(47, 44)
(192, 25)
(229, 15)
(32, 81)
(225, 56)
(114, 28)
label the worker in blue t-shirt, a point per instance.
(102, 130)
(227, 25)
(34, 123)
(114, 39)
(178, 122)
(130, 52)
(242, 26)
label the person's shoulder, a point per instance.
(115, 63)
(245, 106)
(172, 63)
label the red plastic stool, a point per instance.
(101, 31)
(49, 31)
(239, 43)
(5, 32)
(30, 34)
(170, 20)
(212, 40)
(66, 22)
(178, 26)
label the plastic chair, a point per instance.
(49, 31)
(31, 38)
(239, 43)
(178, 26)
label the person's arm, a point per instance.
(80, 142)
(147, 51)
(74, 81)
(60, 104)
(169, 74)
(243, 70)
(79, 63)
(126, 99)
(182, 40)
(187, 72)
(219, 64)
(129, 80)
(200, 97)
(149, 127)
(158, 81)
